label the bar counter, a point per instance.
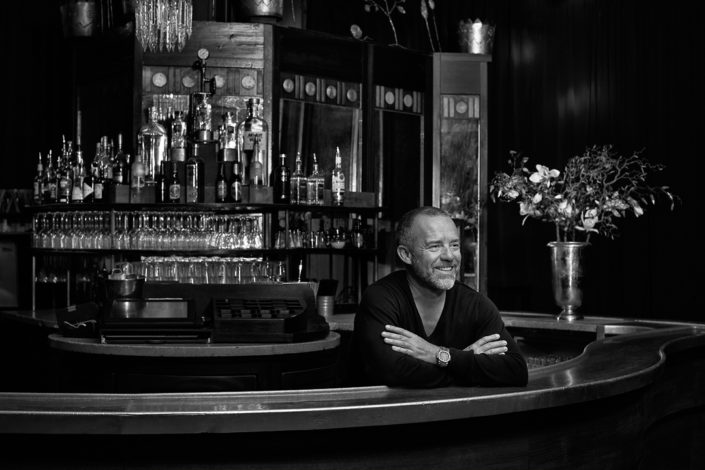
(635, 397)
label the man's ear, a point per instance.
(404, 254)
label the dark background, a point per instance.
(564, 75)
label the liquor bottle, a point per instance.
(137, 171)
(49, 184)
(236, 183)
(314, 186)
(281, 182)
(106, 156)
(253, 128)
(121, 168)
(99, 185)
(228, 135)
(153, 145)
(195, 178)
(162, 190)
(174, 185)
(38, 183)
(298, 183)
(256, 173)
(337, 180)
(63, 182)
(357, 235)
(222, 193)
(77, 188)
(178, 138)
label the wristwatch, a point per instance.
(443, 357)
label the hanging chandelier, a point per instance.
(163, 25)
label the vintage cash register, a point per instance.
(231, 313)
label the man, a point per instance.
(419, 327)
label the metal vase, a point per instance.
(567, 277)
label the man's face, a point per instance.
(435, 251)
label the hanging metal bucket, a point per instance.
(79, 18)
(262, 11)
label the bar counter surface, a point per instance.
(634, 398)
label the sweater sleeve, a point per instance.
(509, 369)
(379, 364)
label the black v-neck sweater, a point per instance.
(467, 316)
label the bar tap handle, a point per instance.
(301, 268)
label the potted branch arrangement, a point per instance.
(594, 191)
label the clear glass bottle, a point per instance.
(256, 172)
(77, 188)
(138, 171)
(253, 128)
(337, 180)
(281, 182)
(202, 112)
(153, 147)
(229, 133)
(99, 185)
(195, 177)
(298, 183)
(178, 138)
(314, 185)
(49, 182)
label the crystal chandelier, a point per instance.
(163, 25)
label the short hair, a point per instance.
(403, 236)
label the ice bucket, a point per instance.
(475, 37)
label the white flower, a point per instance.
(565, 208)
(537, 198)
(543, 174)
(589, 219)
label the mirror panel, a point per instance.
(459, 173)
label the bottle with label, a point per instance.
(63, 182)
(99, 185)
(162, 190)
(222, 193)
(174, 185)
(236, 183)
(78, 175)
(256, 172)
(121, 172)
(38, 183)
(50, 188)
(314, 185)
(195, 177)
(178, 137)
(253, 128)
(298, 183)
(137, 170)
(281, 182)
(153, 146)
(337, 180)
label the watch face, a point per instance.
(443, 357)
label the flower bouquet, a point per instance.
(594, 191)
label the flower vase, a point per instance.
(567, 277)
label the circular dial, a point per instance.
(159, 79)
(203, 53)
(247, 82)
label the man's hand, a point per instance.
(408, 343)
(488, 345)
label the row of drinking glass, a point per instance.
(208, 270)
(136, 230)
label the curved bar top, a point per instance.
(92, 346)
(630, 360)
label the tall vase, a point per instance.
(567, 276)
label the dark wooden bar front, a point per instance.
(633, 399)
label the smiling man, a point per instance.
(419, 327)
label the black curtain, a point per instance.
(566, 75)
